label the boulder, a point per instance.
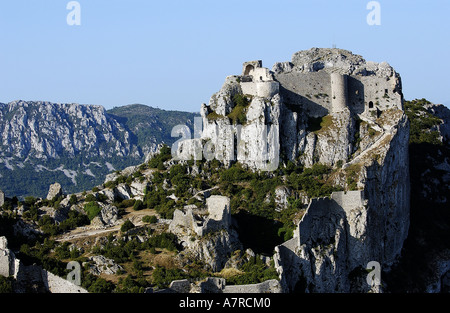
(109, 215)
(102, 265)
(282, 194)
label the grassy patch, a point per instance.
(239, 113)
(213, 116)
(352, 173)
(423, 127)
(319, 124)
(92, 209)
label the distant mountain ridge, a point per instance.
(76, 145)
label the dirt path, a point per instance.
(89, 231)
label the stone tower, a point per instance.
(339, 94)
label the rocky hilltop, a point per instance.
(296, 180)
(77, 145)
(330, 107)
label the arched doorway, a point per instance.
(249, 69)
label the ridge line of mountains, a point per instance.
(77, 145)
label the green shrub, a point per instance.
(163, 241)
(235, 174)
(30, 201)
(111, 184)
(255, 271)
(162, 277)
(5, 285)
(126, 226)
(423, 125)
(131, 285)
(151, 219)
(158, 160)
(213, 116)
(126, 203)
(90, 198)
(74, 220)
(92, 209)
(95, 284)
(138, 205)
(239, 113)
(73, 199)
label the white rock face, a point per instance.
(55, 190)
(222, 101)
(49, 129)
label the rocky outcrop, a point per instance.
(334, 108)
(54, 191)
(314, 115)
(101, 265)
(282, 195)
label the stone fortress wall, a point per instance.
(323, 81)
(326, 86)
(326, 231)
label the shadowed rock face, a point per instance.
(338, 237)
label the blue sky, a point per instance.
(175, 54)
